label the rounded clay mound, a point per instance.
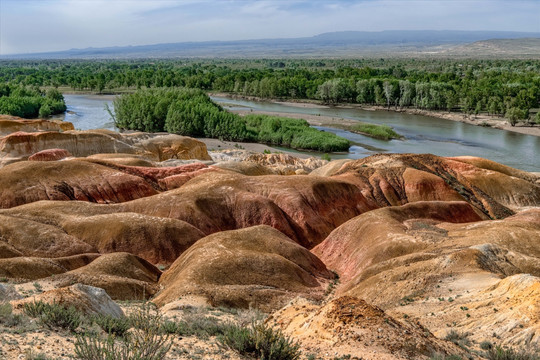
(155, 239)
(257, 266)
(123, 276)
(30, 181)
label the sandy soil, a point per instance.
(218, 145)
(30, 339)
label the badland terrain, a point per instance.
(394, 256)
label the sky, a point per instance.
(28, 26)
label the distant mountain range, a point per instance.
(334, 44)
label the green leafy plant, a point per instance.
(382, 132)
(112, 325)
(146, 341)
(7, 318)
(459, 338)
(54, 315)
(499, 353)
(34, 309)
(260, 341)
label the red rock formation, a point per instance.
(50, 155)
(123, 276)
(25, 182)
(351, 327)
(396, 179)
(33, 268)
(87, 299)
(38, 238)
(380, 235)
(20, 145)
(304, 208)
(165, 147)
(165, 178)
(420, 259)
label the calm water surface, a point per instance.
(88, 112)
(422, 134)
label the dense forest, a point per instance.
(191, 112)
(30, 102)
(508, 88)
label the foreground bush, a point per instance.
(199, 326)
(112, 325)
(260, 341)
(7, 318)
(54, 315)
(498, 353)
(145, 342)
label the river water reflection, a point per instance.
(422, 134)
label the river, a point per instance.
(422, 134)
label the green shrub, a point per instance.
(181, 111)
(7, 318)
(59, 316)
(31, 355)
(260, 341)
(382, 132)
(21, 101)
(294, 133)
(146, 341)
(486, 345)
(195, 325)
(191, 112)
(34, 309)
(445, 357)
(92, 347)
(112, 325)
(458, 338)
(170, 327)
(499, 353)
(54, 315)
(239, 339)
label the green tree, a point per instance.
(515, 114)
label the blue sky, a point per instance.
(50, 25)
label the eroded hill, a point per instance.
(378, 258)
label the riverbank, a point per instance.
(313, 120)
(214, 145)
(477, 120)
(316, 120)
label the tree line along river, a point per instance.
(422, 134)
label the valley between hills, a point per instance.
(393, 256)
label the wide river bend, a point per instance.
(422, 134)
